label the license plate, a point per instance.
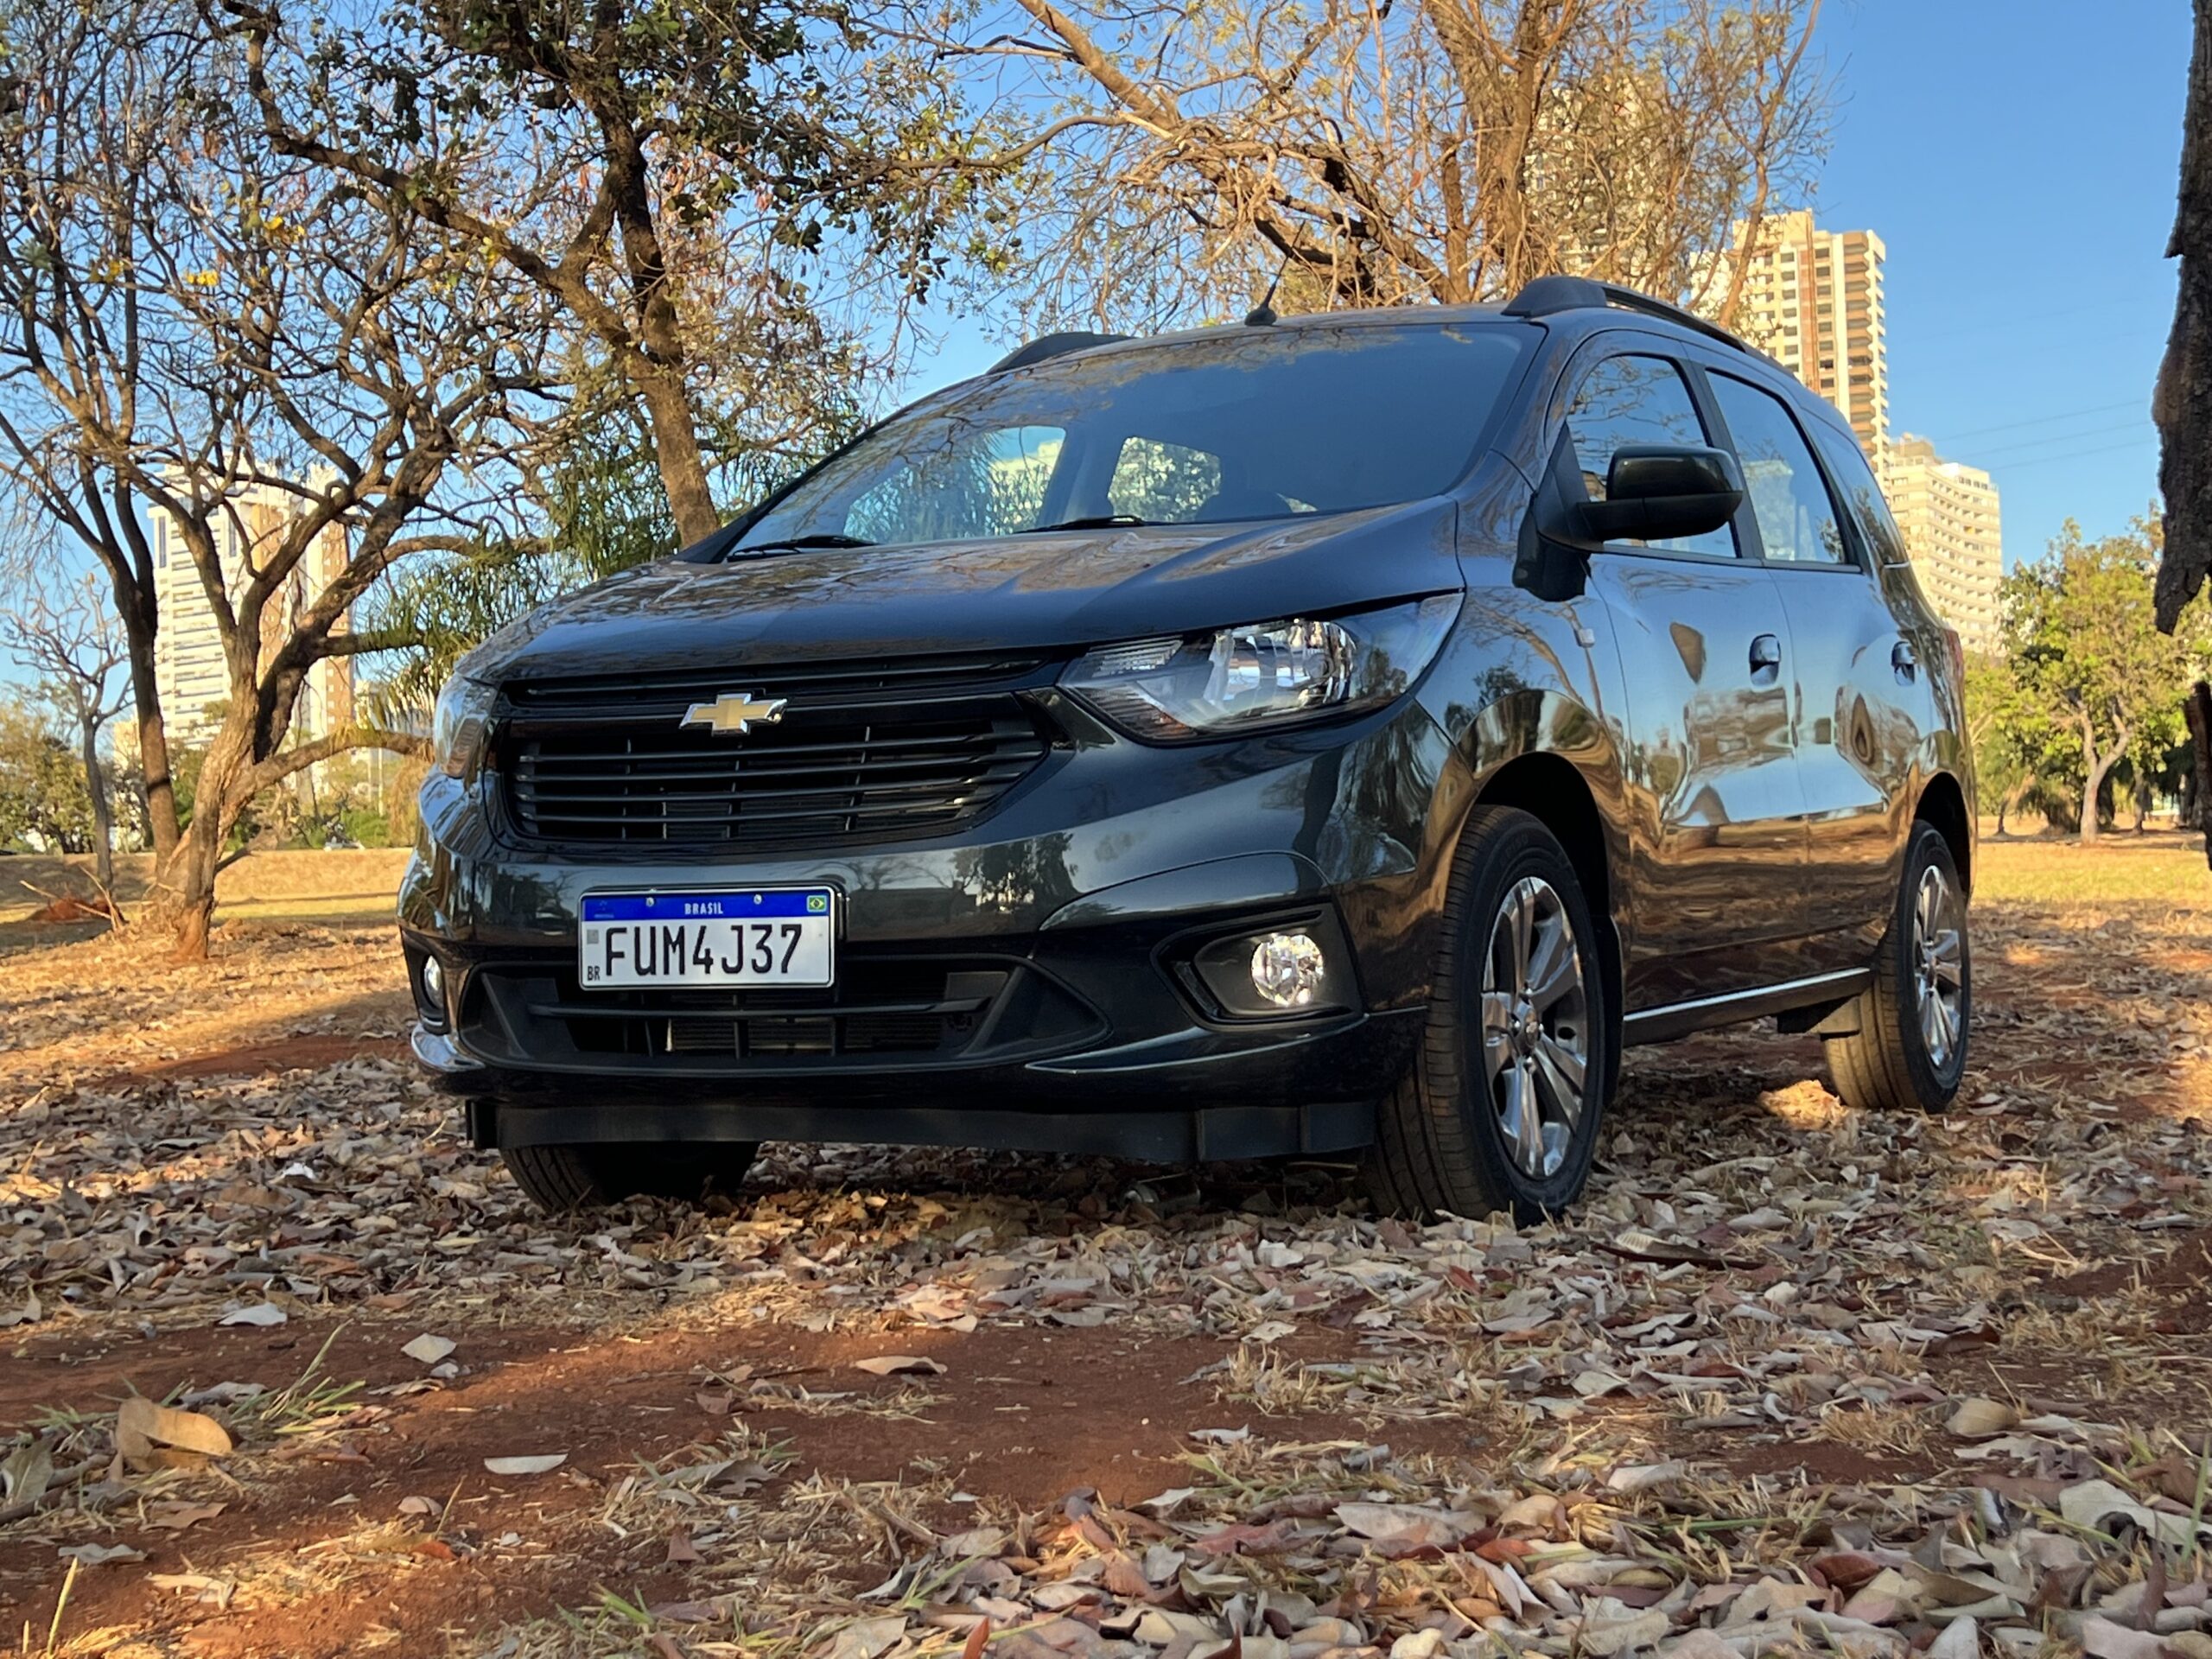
(754, 936)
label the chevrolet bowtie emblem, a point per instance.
(735, 713)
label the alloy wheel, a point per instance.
(1535, 1026)
(1938, 965)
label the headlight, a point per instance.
(1173, 689)
(457, 730)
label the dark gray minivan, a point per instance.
(1333, 734)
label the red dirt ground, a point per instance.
(1020, 1414)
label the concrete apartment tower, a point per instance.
(188, 667)
(1949, 513)
(1812, 298)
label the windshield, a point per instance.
(1252, 423)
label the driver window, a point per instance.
(1166, 483)
(1630, 400)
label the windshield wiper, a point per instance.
(1102, 521)
(799, 544)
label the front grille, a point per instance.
(860, 752)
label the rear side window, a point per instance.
(1862, 496)
(1796, 518)
(1628, 400)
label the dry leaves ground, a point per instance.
(1793, 1379)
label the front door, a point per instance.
(1716, 843)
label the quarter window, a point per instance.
(1633, 400)
(1862, 496)
(1797, 521)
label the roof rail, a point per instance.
(1045, 346)
(1543, 295)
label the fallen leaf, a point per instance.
(1979, 1419)
(428, 1349)
(175, 1516)
(2102, 1639)
(25, 1475)
(1646, 1477)
(101, 1554)
(140, 1424)
(864, 1638)
(1404, 1529)
(2093, 1502)
(261, 1313)
(899, 1364)
(537, 1464)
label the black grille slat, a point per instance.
(599, 762)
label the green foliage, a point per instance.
(2087, 683)
(43, 801)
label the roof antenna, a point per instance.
(1263, 316)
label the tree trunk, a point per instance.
(676, 445)
(88, 733)
(188, 879)
(2099, 768)
(2182, 405)
(159, 791)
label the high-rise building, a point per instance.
(1812, 299)
(1949, 513)
(190, 672)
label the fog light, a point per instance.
(433, 983)
(1288, 970)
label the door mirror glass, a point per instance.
(1656, 491)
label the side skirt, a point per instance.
(1830, 991)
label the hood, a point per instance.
(1057, 590)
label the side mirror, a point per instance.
(1655, 491)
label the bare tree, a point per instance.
(74, 643)
(1382, 151)
(213, 357)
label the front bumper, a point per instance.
(1026, 984)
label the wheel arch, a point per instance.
(1943, 804)
(1553, 789)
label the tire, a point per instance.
(1442, 1139)
(1902, 1059)
(562, 1178)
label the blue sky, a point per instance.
(2019, 162)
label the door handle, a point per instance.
(1904, 660)
(1766, 657)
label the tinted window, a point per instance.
(1626, 400)
(1862, 496)
(1796, 519)
(1243, 423)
